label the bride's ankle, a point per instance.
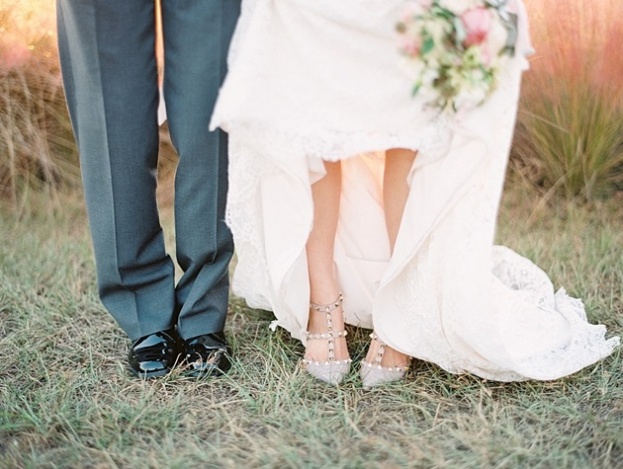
(389, 358)
(326, 315)
(326, 336)
(326, 301)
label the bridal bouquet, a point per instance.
(457, 48)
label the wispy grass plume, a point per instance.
(569, 136)
(36, 147)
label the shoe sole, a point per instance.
(149, 375)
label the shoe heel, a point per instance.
(373, 374)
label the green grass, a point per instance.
(66, 399)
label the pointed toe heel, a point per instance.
(374, 374)
(330, 372)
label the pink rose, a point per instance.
(410, 45)
(477, 23)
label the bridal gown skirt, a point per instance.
(314, 80)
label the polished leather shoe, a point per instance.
(155, 354)
(207, 355)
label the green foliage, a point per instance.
(573, 142)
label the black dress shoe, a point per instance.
(154, 355)
(207, 355)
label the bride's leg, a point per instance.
(320, 246)
(398, 162)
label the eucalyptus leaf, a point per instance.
(459, 29)
(428, 45)
(512, 32)
(496, 3)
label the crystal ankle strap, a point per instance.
(381, 351)
(378, 359)
(330, 335)
(328, 307)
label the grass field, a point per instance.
(67, 400)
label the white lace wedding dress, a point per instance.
(323, 79)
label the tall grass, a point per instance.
(36, 146)
(37, 150)
(569, 136)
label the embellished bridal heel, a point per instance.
(331, 371)
(373, 374)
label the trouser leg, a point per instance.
(109, 70)
(196, 39)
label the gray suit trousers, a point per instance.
(107, 50)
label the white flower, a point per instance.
(469, 99)
(459, 6)
(410, 10)
(438, 29)
(454, 60)
(497, 37)
(273, 325)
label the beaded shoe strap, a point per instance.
(328, 307)
(380, 352)
(330, 335)
(379, 357)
